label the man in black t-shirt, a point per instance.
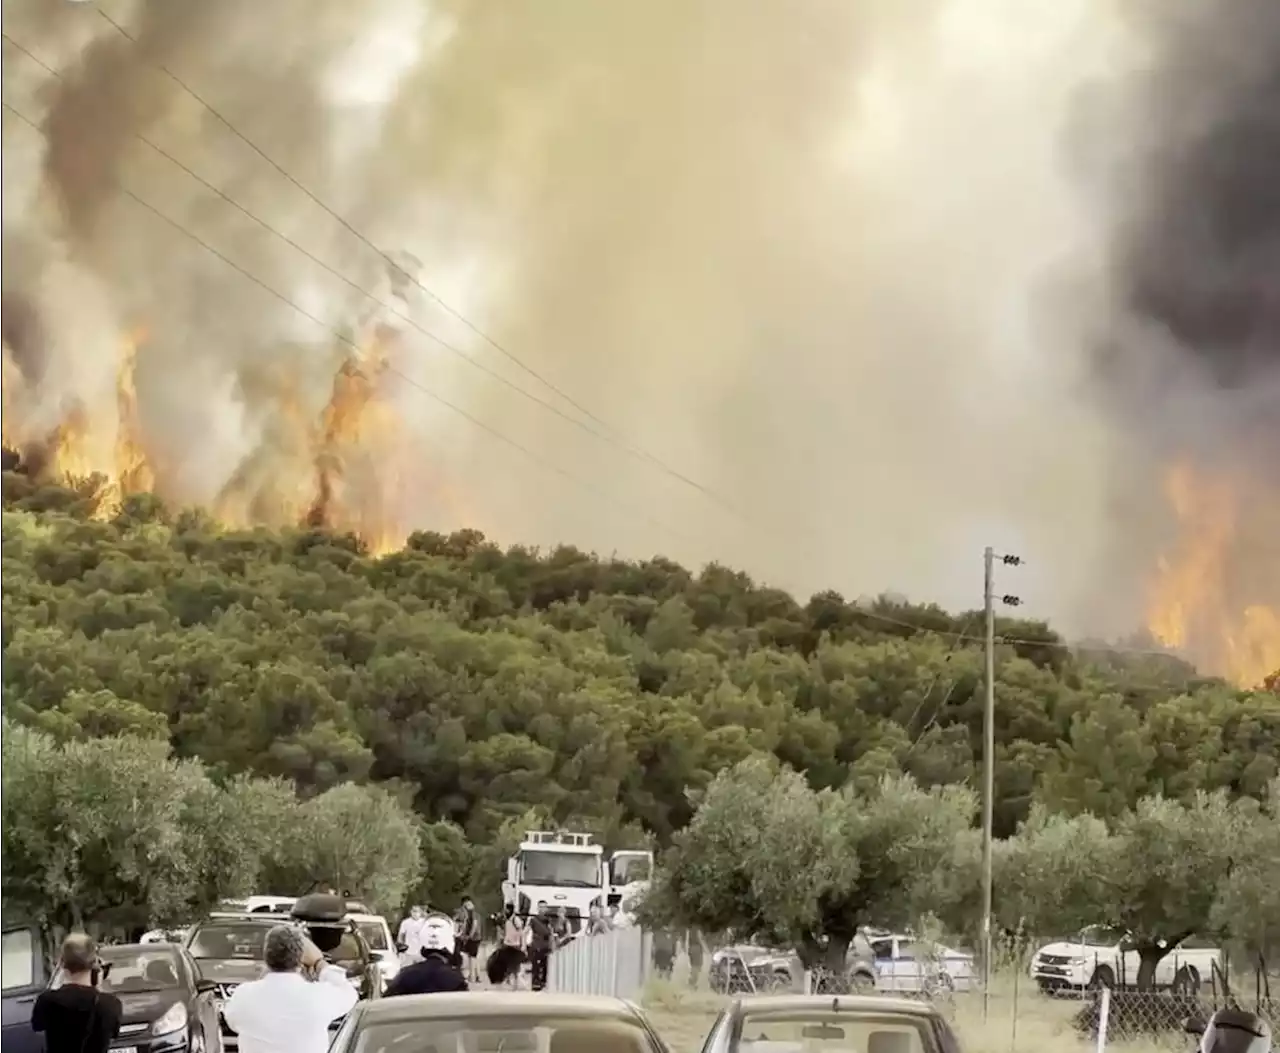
(77, 1017)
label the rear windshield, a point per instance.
(229, 940)
(834, 1033)
(498, 1034)
(375, 935)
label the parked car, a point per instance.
(908, 964)
(1104, 957)
(746, 968)
(377, 934)
(792, 1023)
(168, 1007)
(228, 949)
(516, 1022)
(24, 970)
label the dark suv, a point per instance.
(228, 949)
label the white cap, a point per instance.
(437, 934)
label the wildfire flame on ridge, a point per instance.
(1194, 607)
(331, 472)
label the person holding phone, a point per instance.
(289, 1010)
(77, 1017)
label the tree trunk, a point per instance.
(1149, 958)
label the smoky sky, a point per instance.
(809, 254)
(1196, 253)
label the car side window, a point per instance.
(883, 950)
(19, 959)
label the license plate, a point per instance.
(124, 1049)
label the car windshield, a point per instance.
(375, 935)
(497, 1033)
(137, 969)
(1101, 936)
(229, 940)
(559, 868)
(847, 1032)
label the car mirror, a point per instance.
(205, 986)
(821, 1032)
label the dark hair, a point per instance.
(282, 950)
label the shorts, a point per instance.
(470, 948)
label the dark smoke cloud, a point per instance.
(1197, 261)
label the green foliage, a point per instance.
(116, 832)
(767, 855)
(488, 690)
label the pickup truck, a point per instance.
(26, 974)
(1102, 957)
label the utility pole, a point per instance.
(989, 558)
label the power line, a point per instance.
(610, 434)
(349, 343)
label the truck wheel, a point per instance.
(1186, 981)
(1102, 977)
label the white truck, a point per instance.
(627, 877)
(1103, 957)
(558, 868)
(567, 869)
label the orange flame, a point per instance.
(335, 469)
(133, 471)
(1194, 605)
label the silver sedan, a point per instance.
(498, 1022)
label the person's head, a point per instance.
(468, 904)
(562, 912)
(282, 951)
(78, 957)
(594, 912)
(1236, 1031)
(542, 906)
(438, 938)
(508, 909)
(415, 913)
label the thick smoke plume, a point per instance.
(1191, 345)
(797, 251)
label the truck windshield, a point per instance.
(559, 868)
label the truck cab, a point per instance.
(26, 974)
(562, 869)
(628, 873)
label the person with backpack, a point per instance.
(438, 972)
(78, 1017)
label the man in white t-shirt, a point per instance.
(411, 935)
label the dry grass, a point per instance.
(1016, 1021)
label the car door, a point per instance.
(717, 1040)
(892, 972)
(24, 977)
(206, 1003)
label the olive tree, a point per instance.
(1153, 873)
(767, 855)
(111, 830)
(1248, 903)
(356, 838)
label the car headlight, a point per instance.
(173, 1019)
(1082, 960)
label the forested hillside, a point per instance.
(481, 683)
